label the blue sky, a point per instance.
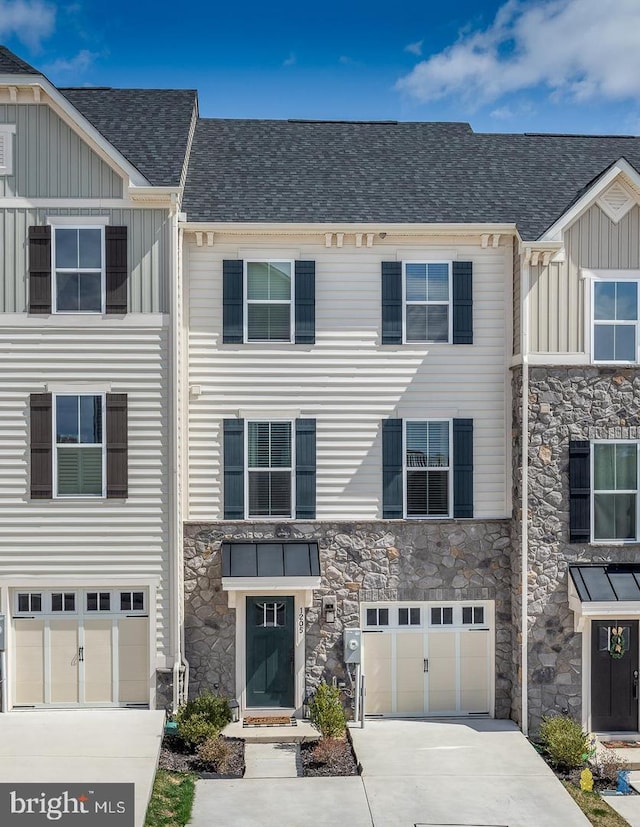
(514, 66)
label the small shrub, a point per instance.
(328, 750)
(608, 763)
(326, 713)
(214, 754)
(564, 741)
(201, 718)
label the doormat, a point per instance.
(269, 720)
(621, 744)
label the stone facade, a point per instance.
(565, 404)
(381, 560)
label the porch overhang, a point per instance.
(602, 591)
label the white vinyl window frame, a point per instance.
(448, 303)
(247, 301)
(636, 491)
(56, 445)
(591, 277)
(55, 226)
(7, 131)
(290, 470)
(448, 469)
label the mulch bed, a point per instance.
(339, 759)
(174, 756)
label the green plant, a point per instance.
(608, 763)
(564, 741)
(203, 717)
(326, 713)
(214, 754)
(171, 799)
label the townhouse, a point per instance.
(90, 183)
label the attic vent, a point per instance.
(616, 201)
(6, 143)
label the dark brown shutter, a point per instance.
(117, 269)
(41, 446)
(117, 446)
(579, 491)
(39, 269)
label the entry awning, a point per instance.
(275, 567)
(611, 590)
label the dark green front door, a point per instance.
(614, 680)
(270, 666)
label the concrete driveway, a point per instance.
(461, 772)
(83, 746)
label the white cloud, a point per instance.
(31, 21)
(290, 61)
(502, 113)
(72, 66)
(414, 48)
(576, 49)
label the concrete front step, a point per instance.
(303, 731)
(272, 761)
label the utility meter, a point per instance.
(352, 640)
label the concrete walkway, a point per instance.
(467, 772)
(271, 761)
(85, 746)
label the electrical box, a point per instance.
(2, 625)
(352, 640)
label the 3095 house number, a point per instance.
(301, 622)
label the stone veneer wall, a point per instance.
(516, 546)
(564, 404)
(381, 560)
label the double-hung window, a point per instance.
(427, 468)
(615, 491)
(78, 257)
(615, 320)
(79, 446)
(269, 469)
(427, 301)
(269, 292)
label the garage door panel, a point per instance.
(442, 644)
(98, 661)
(410, 703)
(29, 661)
(378, 703)
(409, 645)
(63, 656)
(133, 660)
(442, 701)
(474, 700)
(474, 644)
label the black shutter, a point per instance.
(117, 446)
(305, 469)
(462, 303)
(39, 269)
(41, 446)
(579, 491)
(116, 269)
(392, 469)
(232, 301)
(391, 302)
(463, 467)
(233, 448)
(305, 299)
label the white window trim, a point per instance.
(54, 435)
(449, 469)
(591, 277)
(246, 301)
(64, 612)
(7, 131)
(592, 452)
(81, 601)
(98, 225)
(448, 303)
(425, 615)
(292, 472)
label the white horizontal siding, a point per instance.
(347, 381)
(87, 537)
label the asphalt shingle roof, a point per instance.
(150, 127)
(11, 64)
(301, 171)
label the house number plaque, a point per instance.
(300, 623)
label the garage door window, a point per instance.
(409, 616)
(63, 602)
(442, 616)
(30, 602)
(98, 601)
(377, 617)
(473, 615)
(131, 601)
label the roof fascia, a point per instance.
(621, 166)
(73, 118)
(283, 227)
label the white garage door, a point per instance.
(428, 659)
(81, 648)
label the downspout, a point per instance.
(524, 534)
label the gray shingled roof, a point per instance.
(150, 127)
(290, 171)
(11, 64)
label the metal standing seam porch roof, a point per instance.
(610, 583)
(269, 559)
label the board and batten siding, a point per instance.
(347, 380)
(85, 536)
(50, 160)
(517, 331)
(149, 253)
(557, 301)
